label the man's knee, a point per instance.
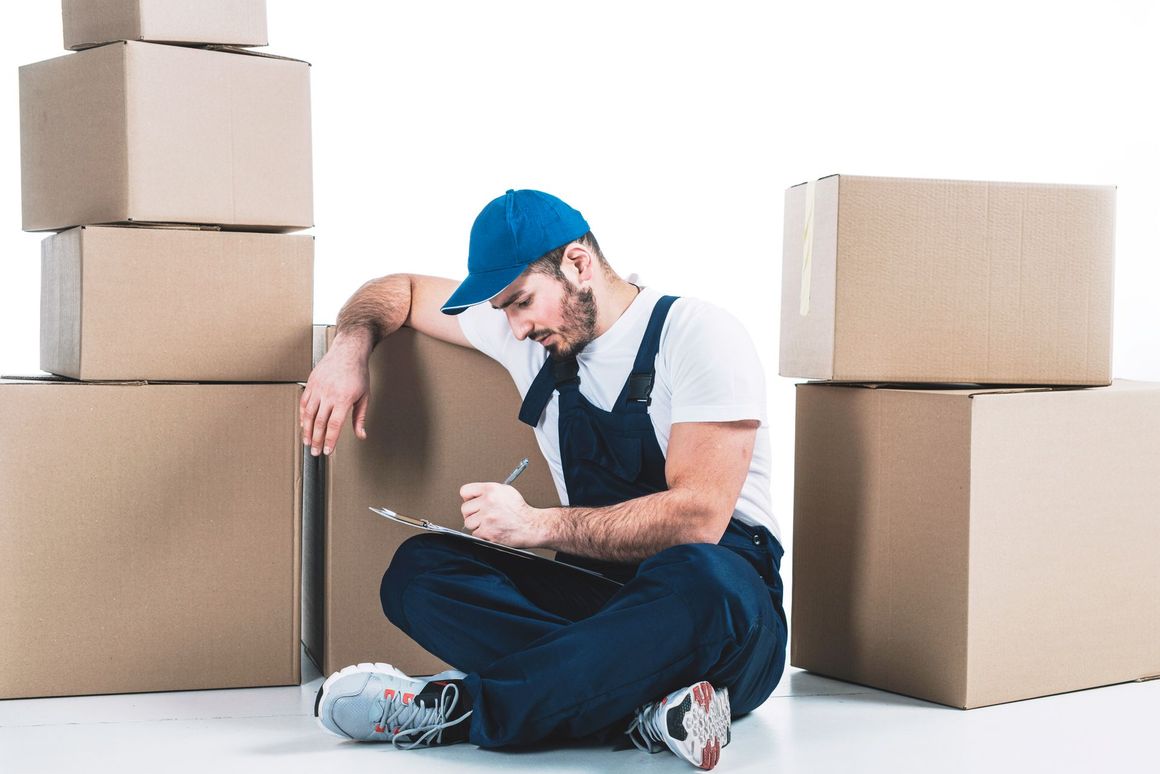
(416, 556)
(713, 579)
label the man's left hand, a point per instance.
(498, 513)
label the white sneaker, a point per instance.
(693, 722)
(378, 703)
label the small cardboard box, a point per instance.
(149, 133)
(977, 547)
(157, 304)
(149, 537)
(226, 22)
(440, 416)
(896, 280)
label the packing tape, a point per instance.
(807, 249)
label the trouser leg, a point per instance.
(559, 657)
(470, 605)
(692, 612)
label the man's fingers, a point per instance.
(470, 508)
(318, 433)
(468, 491)
(333, 428)
(360, 417)
(303, 402)
(309, 414)
(472, 524)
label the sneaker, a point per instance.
(378, 703)
(693, 722)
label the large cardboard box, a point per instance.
(439, 416)
(896, 280)
(149, 133)
(226, 22)
(977, 547)
(176, 305)
(149, 537)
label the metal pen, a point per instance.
(516, 473)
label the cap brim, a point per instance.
(480, 287)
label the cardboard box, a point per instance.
(176, 305)
(977, 547)
(894, 280)
(440, 416)
(227, 22)
(148, 133)
(149, 537)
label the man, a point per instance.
(650, 412)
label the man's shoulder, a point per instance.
(691, 313)
(700, 330)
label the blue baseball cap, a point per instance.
(511, 232)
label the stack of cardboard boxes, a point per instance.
(152, 530)
(150, 504)
(962, 543)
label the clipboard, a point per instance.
(431, 526)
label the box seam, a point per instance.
(127, 208)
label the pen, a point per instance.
(516, 473)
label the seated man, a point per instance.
(650, 411)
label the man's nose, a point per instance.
(521, 328)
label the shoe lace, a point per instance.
(416, 723)
(644, 732)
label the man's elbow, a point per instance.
(709, 521)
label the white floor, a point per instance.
(811, 724)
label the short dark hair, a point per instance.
(549, 262)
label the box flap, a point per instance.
(807, 182)
(251, 52)
(968, 390)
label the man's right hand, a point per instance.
(339, 381)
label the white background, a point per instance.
(675, 128)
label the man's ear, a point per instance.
(582, 262)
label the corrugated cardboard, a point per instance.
(149, 537)
(440, 416)
(896, 280)
(157, 304)
(148, 133)
(229, 22)
(977, 547)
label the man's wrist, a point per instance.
(548, 520)
(358, 338)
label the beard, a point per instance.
(579, 326)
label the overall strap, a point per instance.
(539, 394)
(637, 392)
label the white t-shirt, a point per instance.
(707, 371)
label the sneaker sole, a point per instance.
(372, 668)
(700, 725)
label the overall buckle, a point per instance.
(640, 388)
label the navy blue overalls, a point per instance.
(556, 654)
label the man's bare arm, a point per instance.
(705, 468)
(341, 381)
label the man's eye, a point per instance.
(525, 303)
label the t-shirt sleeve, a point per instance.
(714, 371)
(486, 329)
